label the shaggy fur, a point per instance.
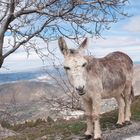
(98, 78)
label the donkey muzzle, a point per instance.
(80, 90)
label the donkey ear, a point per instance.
(83, 45)
(63, 46)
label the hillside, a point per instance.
(74, 129)
(29, 99)
(26, 91)
(26, 100)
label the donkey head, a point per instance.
(75, 65)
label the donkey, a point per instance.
(95, 79)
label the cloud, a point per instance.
(20, 62)
(127, 44)
(116, 41)
(133, 25)
(133, 52)
(98, 47)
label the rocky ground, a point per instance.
(122, 133)
(74, 128)
(6, 133)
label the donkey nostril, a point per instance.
(80, 88)
(77, 89)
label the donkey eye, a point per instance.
(84, 64)
(66, 68)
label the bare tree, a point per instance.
(24, 20)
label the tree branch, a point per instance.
(27, 39)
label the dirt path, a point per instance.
(124, 132)
(117, 134)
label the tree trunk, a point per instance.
(1, 61)
(1, 49)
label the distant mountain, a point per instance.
(26, 91)
(137, 62)
(26, 95)
(27, 99)
(34, 74)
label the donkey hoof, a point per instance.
(87, 137)
(127, 123)
(119, 125)
(98, 139)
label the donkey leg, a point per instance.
(121, 105)
(128, 113)
(88, 113)
(96, 120)
(97, 129)
(127, 94)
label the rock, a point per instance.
(50, 120)
(133, 138)
(4, 133)
(42, 138)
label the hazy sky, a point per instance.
(123, 36)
